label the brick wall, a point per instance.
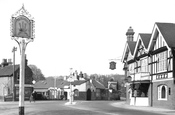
(4, 81)
(82, 96)
(170, 102)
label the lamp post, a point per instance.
(33, 82)
(13, 79)
(22, 31)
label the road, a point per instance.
(59, 108)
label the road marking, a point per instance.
(93, 110)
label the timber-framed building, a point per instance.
(149, 62)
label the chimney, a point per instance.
(130, 34)
(4, 63)
(9, 61)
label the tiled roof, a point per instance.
(146, 39)
(97, 84)
(168, 32)
(50, 82)
(41, 84)
(76, 82)
(7, 70)
(62, 83)
(59, 83)
(131, 45)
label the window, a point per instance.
(162, 61)
(17, 75)
(144, 65)
(137, 66)
(131, 68)
(162, 92)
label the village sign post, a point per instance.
(22, 31)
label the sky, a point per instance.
(81, 34)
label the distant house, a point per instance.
(99, 92)
(51, 88)
(83, 89)
(86, 89)
(78, 87)
(6, 81)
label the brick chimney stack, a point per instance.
(4, 63)
(130, 34)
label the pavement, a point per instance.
(124, 105)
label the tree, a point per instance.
(37, 74)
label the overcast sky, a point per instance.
(81, 34)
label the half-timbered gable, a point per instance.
(128, 51)
(141, 56)
(128, 57)
(141, 78)
(160, 50)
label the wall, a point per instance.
(170, 102)
(82, 96)
(4, 81)
(81, 88)
(28, 75)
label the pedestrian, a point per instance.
(135, 95)
(33, 96)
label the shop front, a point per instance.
(139, 93)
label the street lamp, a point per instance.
(22, 31)
(13, 79)
(33, 82)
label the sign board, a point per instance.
(22, 25)
(112, 65)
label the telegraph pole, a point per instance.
(13, 79)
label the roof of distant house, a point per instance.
(59, 83)
(76, 82)
(49, 82)
(97, 84)
(7, 70)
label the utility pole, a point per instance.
(13, 79)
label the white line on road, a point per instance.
(93, 110)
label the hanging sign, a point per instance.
(112, 65)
